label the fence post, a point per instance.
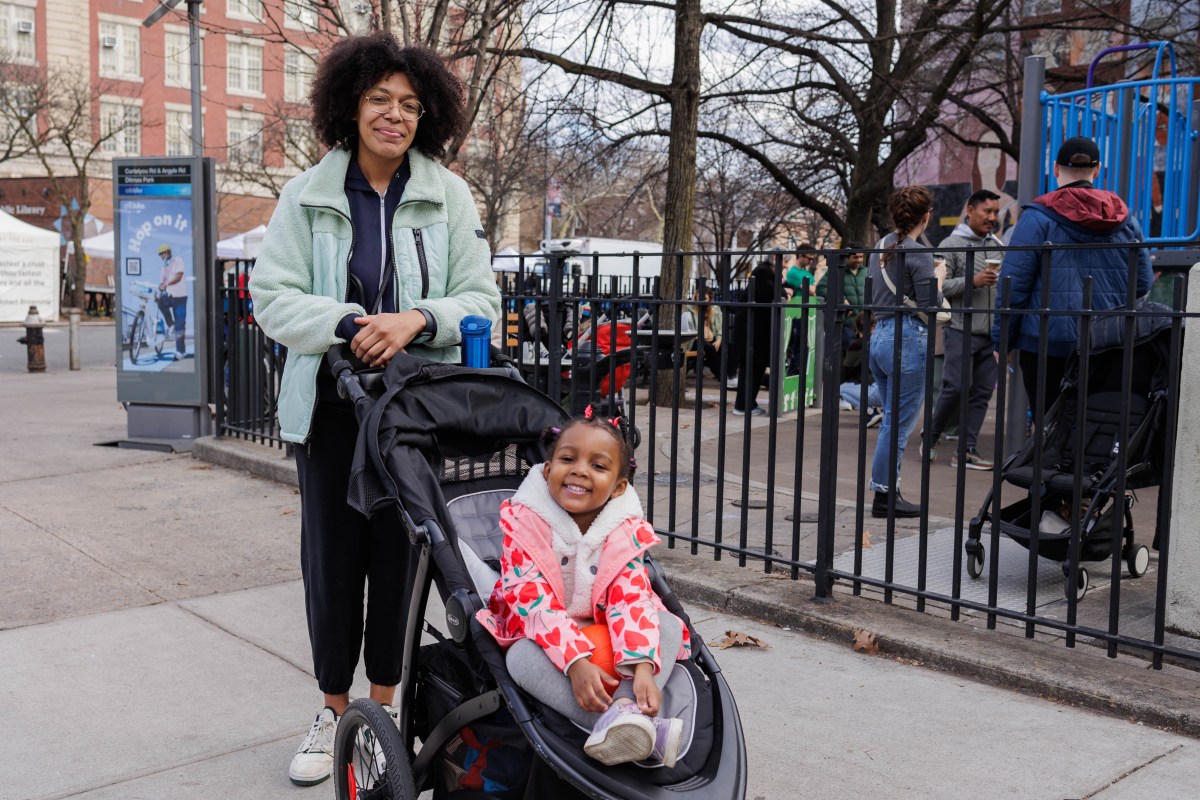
(831, 371)
(1029, 176)
(1183, 588)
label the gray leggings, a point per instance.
(533, 671)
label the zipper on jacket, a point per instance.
(422, 262)
(384, 240)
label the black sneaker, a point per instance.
(904, 509)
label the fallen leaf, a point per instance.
(287, 511)
(739, 639)
(865, 642)
(866, 540)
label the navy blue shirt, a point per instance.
(371, 217)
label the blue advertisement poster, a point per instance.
(157, 269)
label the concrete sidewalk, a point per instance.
(153, 644)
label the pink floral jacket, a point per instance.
(529, 599)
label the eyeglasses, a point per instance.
(381, 103)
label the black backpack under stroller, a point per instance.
(445, 445)
(1078, 472)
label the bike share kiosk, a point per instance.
(164, 240)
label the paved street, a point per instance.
(153, 644)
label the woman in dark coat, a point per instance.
(750, 378)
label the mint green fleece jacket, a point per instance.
(299, 278)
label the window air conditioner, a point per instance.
(24, 26)
(108, 42)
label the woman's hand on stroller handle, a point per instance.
(589, 683)
(381, 336)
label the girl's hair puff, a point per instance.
(907, 206)
(617, 428)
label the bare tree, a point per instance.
(50, 116)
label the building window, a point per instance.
(179, 133)
(244, 68)
(244, 136)
(16, 33)
(300, 14)
(178, 68)
(18, 107)
(244, 9)
(120, 129)
(300, 144)
(120, 51)
(297, 75)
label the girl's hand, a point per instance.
(588, 682)
(649, 696)
(383, 335)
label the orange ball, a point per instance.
(602, 652)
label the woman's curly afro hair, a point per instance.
(355, 64)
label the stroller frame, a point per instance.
(1113, 450)
(449, 464)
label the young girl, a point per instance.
(573, 556)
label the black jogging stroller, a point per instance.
(445, 445)
(1078, 482)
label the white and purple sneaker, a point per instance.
(667, 733)
(623, 734)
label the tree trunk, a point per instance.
(679, 206)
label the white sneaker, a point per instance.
(313, 761)
(366, 737)
(844, 405)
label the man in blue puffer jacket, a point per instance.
(1075, 213)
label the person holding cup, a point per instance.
(980, 266)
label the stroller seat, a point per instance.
(1102, 421)
(476, 516)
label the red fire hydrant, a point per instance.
(34, 341)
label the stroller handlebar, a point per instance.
(343, 373)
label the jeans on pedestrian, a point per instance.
(980, 377)
(851, 392)
(912, 337)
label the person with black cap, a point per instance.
(1075, 213)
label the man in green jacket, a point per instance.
(854, 284)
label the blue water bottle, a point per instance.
(476, 338)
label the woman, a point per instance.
(379, 246)
(759, 313)
(711, 337)
(899, 279)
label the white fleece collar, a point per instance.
(535, 493)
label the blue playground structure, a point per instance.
(1146, 130)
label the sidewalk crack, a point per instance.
(1129, 772)
(86, 554)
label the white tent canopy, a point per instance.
(98, 246)
(242, 245)
(28, 270)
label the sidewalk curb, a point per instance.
(1084, 676)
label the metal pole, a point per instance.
(1125, 169)
(73, 320)
(1029, 178)
(194, 45)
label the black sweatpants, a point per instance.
(341, 549)
(1056, 367)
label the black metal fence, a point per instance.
(790, 489)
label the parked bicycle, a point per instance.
(145, 328)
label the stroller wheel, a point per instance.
(369, 759)
(1138, 560)
(635, 437)
(975, 560)
(1081, 585)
